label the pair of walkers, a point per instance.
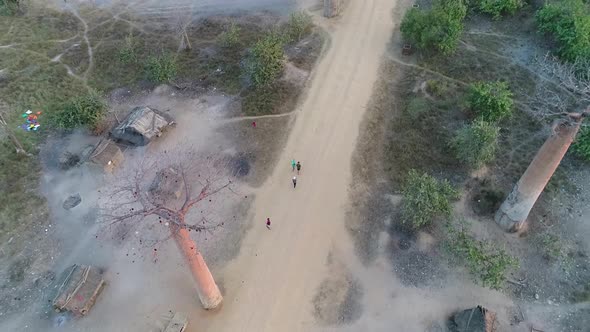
(294, 166)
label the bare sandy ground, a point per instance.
(270, 286)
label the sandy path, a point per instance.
(270, 285)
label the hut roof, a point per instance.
(141, 126)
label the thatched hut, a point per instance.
(107, 155)
(478, 319)
(141, 126)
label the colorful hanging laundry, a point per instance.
(32, 121)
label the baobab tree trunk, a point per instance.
(207, 289)
(514, 211)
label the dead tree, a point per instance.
(184, 21)
(564, 86)
(165, 188)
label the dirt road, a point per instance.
(269, 287)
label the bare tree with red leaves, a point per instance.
(165, 188)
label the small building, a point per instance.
(107, 154)
(141, 126)
(80, 287)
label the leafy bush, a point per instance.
(425, 198)
(491, 101)
(299, 25)
(437, 87)
(231, 37)
(488, 263)
(418, 107)
(581, 146)
(476, 143)
(438, 28)
(128, 53)
(9, 7)
(497, 8)
(87, 110)
(161, 69)
(266, 61)
(568, 21)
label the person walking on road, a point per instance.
(293, 165)
(268, 223)
(294, 181)
(298, 167)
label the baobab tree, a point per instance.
(165, 188)
(563, 87)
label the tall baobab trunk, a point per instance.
(514, 211)
(207, 289)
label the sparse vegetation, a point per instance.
(485, 261)
(436, 29)
(498, 8)
(231, 37)
(552, 246)
(568, 22)
(299, 25)
(425, 198)
(87, 110)
(491, 101)
(266, 61)
(581, 146)
(476, 143)
(161, 68)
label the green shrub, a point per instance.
(425, 198)
(9, 7)
(485, 261)
(128, 54)
(438, 28)
(497, 8)
(161, 69)
(299, 25)
(491, 101)
(418, 107)
(266, 61)
(437, 88)
(568, 22)
(476, 143)
(231, 37)
(87, 110)
(581, 146)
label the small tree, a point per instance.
(497, 8)
(425, 198)
(300, 24)
(568, 22)
(128, 53)
(9, 7)
(165, 189)
(491, 101)
(476, 143)
(161, 68)
(438, 28)
(231, 37)
(87, 110)
(267, 59)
